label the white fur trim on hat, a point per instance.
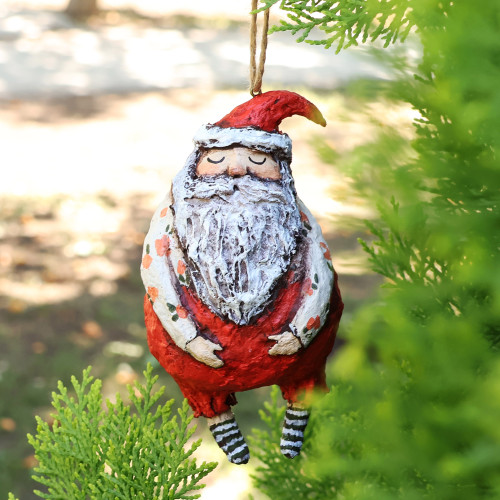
(212, 136)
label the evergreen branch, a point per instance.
(116, 453)
(345, 21)
(419, 369)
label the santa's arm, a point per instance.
(163, 269)
(316, 291)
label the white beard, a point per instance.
(239, 236)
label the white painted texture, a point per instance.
(159, 275)
(182, 331)
(212, 136)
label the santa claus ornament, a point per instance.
(241, 292)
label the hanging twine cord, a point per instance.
(257, 72)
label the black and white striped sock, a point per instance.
(294, 426)
(228, 436)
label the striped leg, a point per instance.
(228, 436)
(293, 430)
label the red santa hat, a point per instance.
(254, 124)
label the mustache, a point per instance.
(225, 186)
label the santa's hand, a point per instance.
(287, 344)
(204, 351)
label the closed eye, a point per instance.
(216, 161)
(257, 162)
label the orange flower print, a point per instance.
(181, 312)
(181, 267)
(313, 323)
(307, 286)
(164, 212)
(146, 261)
(153, 293)
(163, 246)
(327, 251)
(303, 217)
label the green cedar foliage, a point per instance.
(414, 408)
(121, 452)
(280, 477)
(344, 22)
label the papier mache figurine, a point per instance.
(241, 291)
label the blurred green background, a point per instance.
(97, 114)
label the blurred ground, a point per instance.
(122, 50)
(95, 119)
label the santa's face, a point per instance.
(236, 162)
(238, 223)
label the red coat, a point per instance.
(247, 364)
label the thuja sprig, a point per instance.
(344, 22)
(121, 451)
(278, 476)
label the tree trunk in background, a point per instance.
(81, 8)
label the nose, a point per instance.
(237, 168)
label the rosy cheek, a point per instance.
(274, 173)
(206, 168)
(266, 171)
